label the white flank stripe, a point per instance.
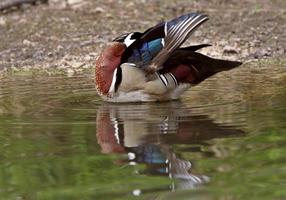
(165, 81)
(112, 86)
(174, 79)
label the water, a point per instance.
(224, 140)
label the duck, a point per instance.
(151, 66)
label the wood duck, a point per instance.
(151, 66)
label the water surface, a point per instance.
(224, 140)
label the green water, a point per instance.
(226, 139)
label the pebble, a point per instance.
(2, 21)
(70, 72)
(76, 4)
(60, 47)
(99, 10)
(74, 1)
(282, 51)
(230, 50)
(261, 53)
(28, 43)
(60, 4)
(50, 54)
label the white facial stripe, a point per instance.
(128, 41)
(112, 86)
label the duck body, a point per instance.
(151, 66)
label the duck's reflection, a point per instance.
(146, 133)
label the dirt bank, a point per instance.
(69, 36)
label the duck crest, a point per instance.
(106, 64)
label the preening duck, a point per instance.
(151, 66)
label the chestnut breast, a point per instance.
(108, 60)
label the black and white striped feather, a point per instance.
(176, 33)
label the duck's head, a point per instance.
(106, 68)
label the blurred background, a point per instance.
(68, 34)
